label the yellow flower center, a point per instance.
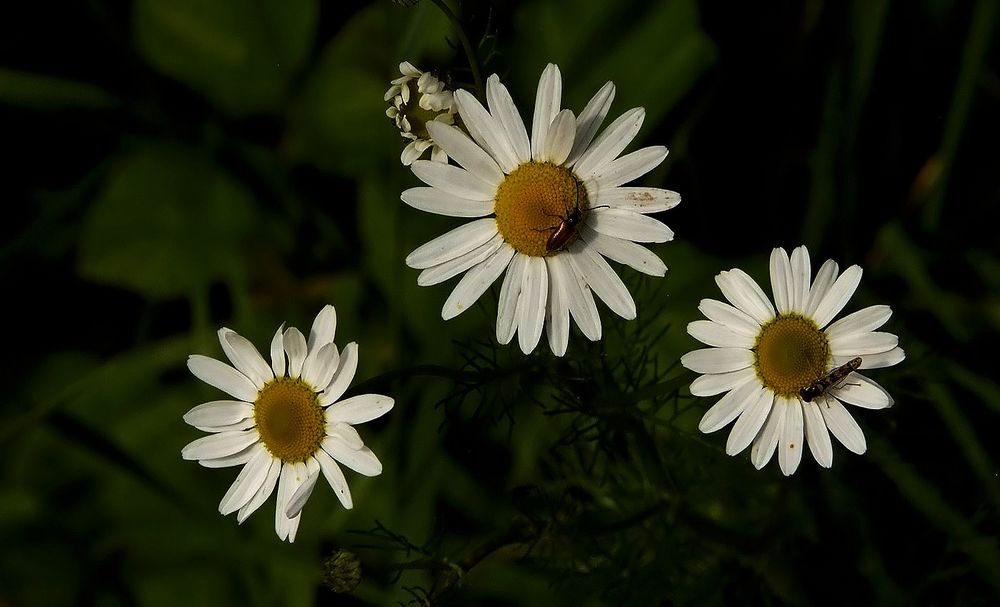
(791, 352)
(289, 419)
(533, 201)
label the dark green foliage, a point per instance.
(174, 167)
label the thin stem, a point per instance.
(470, 52)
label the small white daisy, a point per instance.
(433, 102)
(286, 425)
(551, 208)
(764, 358)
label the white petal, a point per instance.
(716, 334)
(629, 225)
(465, 152)
(220, 375)
(628, 167)
(824, 279)
(717, 383)
(861, 344)
(879, 361)
(244, 424)
(790, 447)
(475, 282)
(768, 437)
(727, 408)
(531, 304)
(359, 409)
(781, 280)
(343, 377)
(453, 180)
(547, 100)
(453, 244)
(264, 492)
(219, 445)
(750, 421)
(249, 480)
(744, 293)
(590, 120)
(581, 303)
(346, 432)
(362, 460)
(487, 130)
(278, 352)
(319, 368)
(732, 317)
(838, 296)
(410, 153)
(557, 315)
(635, 256)
(245, 357)
(287, 484)
(324, 328)
(335, 477)
(640, 200)
(800, 278)
(603, 280)
(509, 294)
(817, 435)
(559, 140)
(858, 390)
(298, 499)
(842, 425)
(440, 202)
(296, 349)
(219, 413)
(502, 107)
(862, 321)
(717, 360)
(610, 143)
(454, 267)
(236, 459)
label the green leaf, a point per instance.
(39, 91)
(240, 55)
(669, 38)
(338, 119)
(168, 221)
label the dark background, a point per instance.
(175, 166)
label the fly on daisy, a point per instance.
(765, 356)
(286, 424)
(521, 191)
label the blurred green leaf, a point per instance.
(926, 498)
(338, 119)
(966, 439)
(167, 222)
(668, 37)
(240, 55)
(38, 91)
(907, 260)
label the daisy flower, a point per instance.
(549, 210)
(432, 102)
(765, 356)
(287, 423)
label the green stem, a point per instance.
(470, 52)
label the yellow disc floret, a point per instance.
(289, 419)
(791, 352)
(533, 201)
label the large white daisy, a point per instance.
(763, 356)
(550, 209)
(287, 424)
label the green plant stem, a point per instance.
(470, 53)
